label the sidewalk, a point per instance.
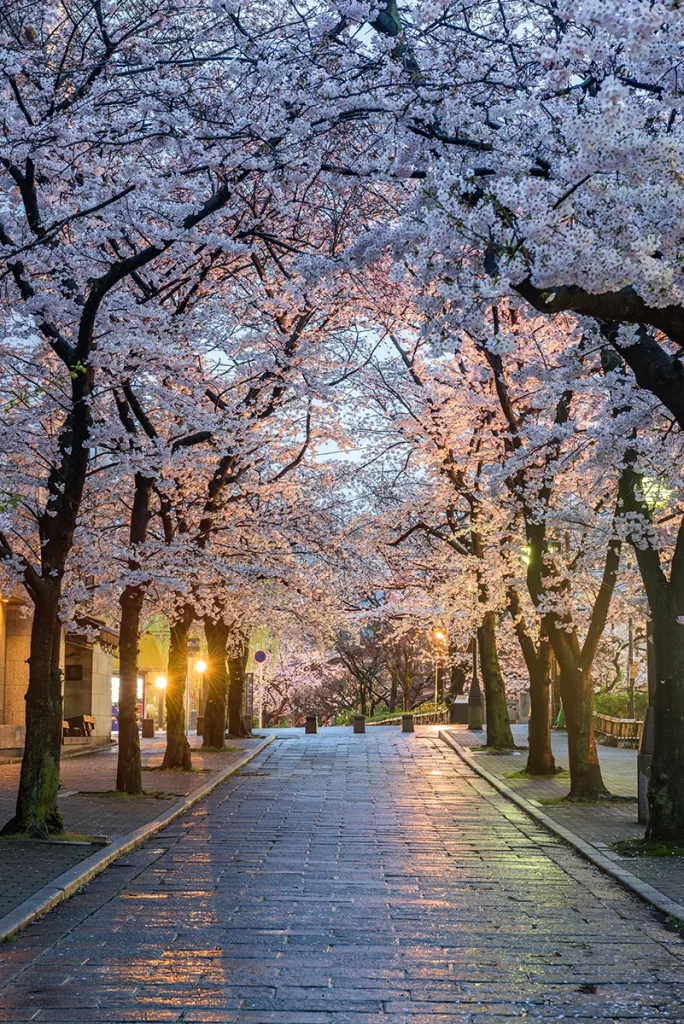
(90, 808)
(599, 824)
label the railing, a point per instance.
(620, 728)
(425, 718)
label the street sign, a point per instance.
(260, 657)
(193, 645)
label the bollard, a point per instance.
(359, 723)
(311, 725)
(200, 725)
(148, 728)
(407, 723)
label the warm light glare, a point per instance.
(200, 666)
(160, 682)
(440, 634)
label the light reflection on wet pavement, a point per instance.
(353, 880)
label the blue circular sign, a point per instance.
(260, 656)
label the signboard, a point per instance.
(249, 693)
(260, 657)
(193, 645)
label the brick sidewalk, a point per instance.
(348, 880)
(27, 866)
(598, 824)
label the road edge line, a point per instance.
(648, 893)
(69, 882)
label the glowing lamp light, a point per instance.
(440, 634)
(200, 666)
(160, 682)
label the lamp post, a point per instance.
(160, 683)
(439, 636)
(200, 669)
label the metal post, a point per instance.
(187, 696)
(645, 755)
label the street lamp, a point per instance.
(200, 666)
(160, 683)
(439, 635)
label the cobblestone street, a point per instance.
(342, 879)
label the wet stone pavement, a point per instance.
(602, 824)
(345, 879)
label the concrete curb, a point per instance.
(591, 853)
(66, 884)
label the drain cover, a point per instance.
(251, 775)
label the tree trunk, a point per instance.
(666, 785)
(129, 769)
(393, 693)
(540, 760)
(577, 693)
(458, 678)
(499, 733)
(37, 812)
(177, 754)
(215, 711)
(236, 675)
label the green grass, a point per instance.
(496, 750)
(58, 837)
(647, 848)
(115, 794)
(216, 750)
(560, 773)
(608, 798)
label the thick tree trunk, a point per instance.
(499, 733)
(577, 693)
(216, 708)
(177, 754)
(666, 785)
(37, 812)
(129, 769)
(236, 675)
(394, 689)
(540, 760)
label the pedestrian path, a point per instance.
(348, 879)
(90, 808)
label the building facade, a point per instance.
(86, 671)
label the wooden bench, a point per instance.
(81, 725)
(623, 730)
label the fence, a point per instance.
(627, 729)
(426, 718)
